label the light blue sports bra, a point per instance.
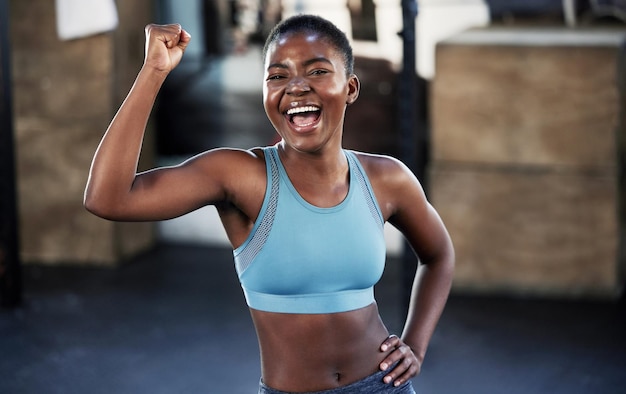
(300, 258)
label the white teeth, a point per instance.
(300, 110)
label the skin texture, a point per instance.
(299, 352)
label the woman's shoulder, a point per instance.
(394, 184)
(380, 165)
(388, 173)
(228, 167)
(231, 157)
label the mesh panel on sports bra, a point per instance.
(255, 245)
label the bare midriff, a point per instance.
(314, 352)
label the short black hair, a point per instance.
(316, 24)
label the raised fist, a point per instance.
(165, 45)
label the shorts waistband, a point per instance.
(372, 384)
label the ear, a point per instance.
(354, 87)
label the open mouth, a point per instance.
(303, 116)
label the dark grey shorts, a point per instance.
(372, 384)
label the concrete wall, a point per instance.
(64, 95)
(525, 165)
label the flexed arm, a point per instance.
(113, 191)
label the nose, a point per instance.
(298, 86)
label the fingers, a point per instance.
(391, 342)
(172, 35)
(184, 38)
(165, 45)
(405, 363)
(402, 372)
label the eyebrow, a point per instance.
(320, 59)
(317, 60)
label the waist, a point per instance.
(310, 352)
(332, 302)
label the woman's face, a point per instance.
(306, 90)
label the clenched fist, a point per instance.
(165, 45)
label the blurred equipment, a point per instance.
(81, 18)
(614, 8)
(10, 278)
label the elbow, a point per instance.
(449, 259)
(444, 260)
(92, 206)
(97, 206)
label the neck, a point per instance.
(320, 165)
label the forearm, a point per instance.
(429, 294)
(114, 165)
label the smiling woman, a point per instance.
(305, 217)
(308, 83)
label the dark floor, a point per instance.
(173, 320)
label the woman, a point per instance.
(305, 217)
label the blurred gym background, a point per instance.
(511, 113)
